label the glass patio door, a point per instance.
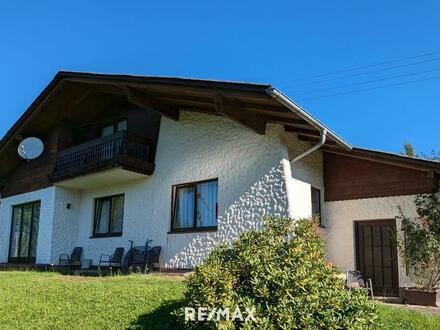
(24, 233)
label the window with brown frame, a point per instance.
(195, 206)
(114, 127)
(316, 205)
(109, 216)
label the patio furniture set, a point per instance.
(138, 258)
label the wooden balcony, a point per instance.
(122, 150)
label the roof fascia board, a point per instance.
(288, 103)
(33, 110)
(390, 159)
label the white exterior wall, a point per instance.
(340, 233)
(251, 180)
(46, 197)
(255, 178)
(305, 174)
(65, 222)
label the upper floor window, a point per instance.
(113, 128)
(109, 216)
(195, 206)
(316, 204)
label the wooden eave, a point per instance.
(388, 158)
(245, 103)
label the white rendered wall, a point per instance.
(251, 178)
(305, 174)
(65, 222)
(255, 179)
(339, 229)
(46, 197)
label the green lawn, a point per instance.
(48, 300)
(404, 319)
(30, 300)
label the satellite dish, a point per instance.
(30, 148)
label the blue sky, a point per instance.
(277, 42)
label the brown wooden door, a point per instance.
(376, 255)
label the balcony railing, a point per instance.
(123, 149)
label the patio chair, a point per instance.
(140, 256)
(138, 260)
(114, 260)
(73, 260)
(354, 279)
(144, 261)
(152, 257)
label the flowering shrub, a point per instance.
(420, 244)
(280, 272)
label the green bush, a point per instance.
(281, 271)
(420, 244)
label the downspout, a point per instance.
(321, 142)
(275, 94)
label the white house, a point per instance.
(191, 163)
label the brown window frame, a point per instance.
(194, 228)
(108, 233)
(114, 124)
(312, 190)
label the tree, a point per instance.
(435, 155)
(408, 150)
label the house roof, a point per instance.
(389, 158)
(247, 103)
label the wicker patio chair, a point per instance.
(114, 260)
(354, 279)
(152, 257)
(73, 260)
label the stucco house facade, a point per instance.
(189, 164)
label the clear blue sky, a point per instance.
(261, 41)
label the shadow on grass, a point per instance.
(160, 318)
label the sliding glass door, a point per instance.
(24, 233)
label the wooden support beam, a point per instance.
(175, 86)
(287, 121)
(74, 103)
(314, 139)
(236, 112)
(303, 131)
(148, 102)
(206, 100)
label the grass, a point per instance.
(405, 319)
(32, 300)
(35, 300)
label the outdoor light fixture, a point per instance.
(68, 206)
